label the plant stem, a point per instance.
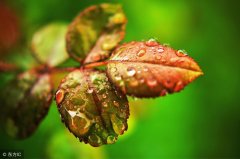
(96, 64)
(5, 67)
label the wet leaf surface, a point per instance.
(149, 69)
(48, 44)
(91, 108)
(24, 103)
(96, 32)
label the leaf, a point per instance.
(9, 28)
(48, 44)
(91, 108)
(96, 32)
(149, 69)
(24, 103)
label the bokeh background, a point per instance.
(203, 121)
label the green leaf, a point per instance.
(149, 69)
(24, 103)
(91, 108)
(48, 44)
(96, 32)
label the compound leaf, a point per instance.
(149, 69)
(91, 108)
(96, 32)
(48, 44)
(24, 103)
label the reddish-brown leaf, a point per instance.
(149, 69)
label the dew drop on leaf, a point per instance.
(181, 53)
(59, 96)
(90, 90)
(116, 103)
(179, 86)
(158, 57)
(131, 71)
(133, 83)
(111, 139)
(160, 49)
(163, 92)
(151, 43)
(113, 69)
(141, 53)
(104, 104)
(151, 82)
(104, 96)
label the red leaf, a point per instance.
(149, 69)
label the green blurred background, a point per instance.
(203, 121)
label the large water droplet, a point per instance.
(59, 96)
(181, 53)
(118, 125)
(131, 71)
(151, 43)
(141, 53)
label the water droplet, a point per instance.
(125, 58)
(133, 83)
(118, 78)
(90, 90)
(163, 92)
(181, 53)
(141, 52)
(113, 69)
(141, 80)
(151, 82)
(168, 83)
(131, 71)
(95, 140)
(104, 104)
(158, 57)
(111, 139)
(160, 49)
(116, 103)
(117, 124)
(59, 96)
(151, 43)
(179, 86)
(145, 69)
(104, 96)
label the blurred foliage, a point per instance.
(203, 121)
